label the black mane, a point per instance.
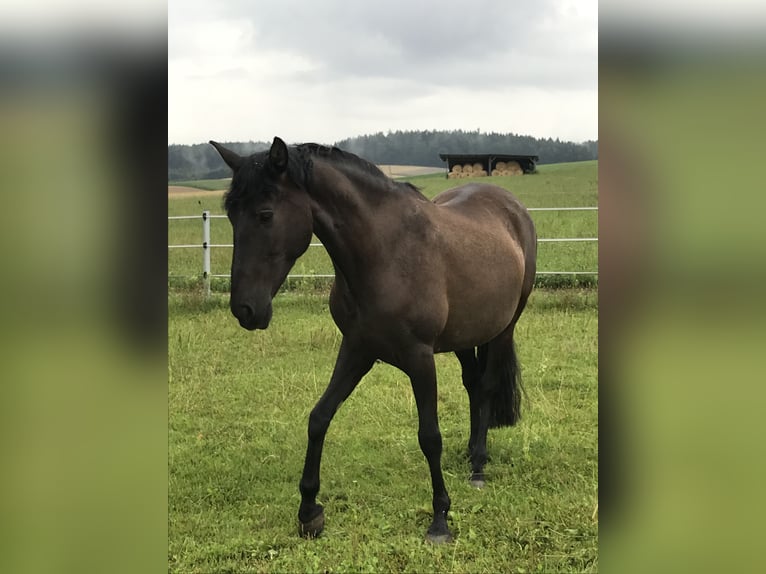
(344, 161)
(248, 180)
(339, 157)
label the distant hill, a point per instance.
(422, 148)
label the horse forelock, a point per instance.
(246, 182)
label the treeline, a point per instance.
(424, 147)
(201, 161)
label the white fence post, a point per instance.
(206, 251)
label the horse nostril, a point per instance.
(243, 312)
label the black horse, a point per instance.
(413, 277)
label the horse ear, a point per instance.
(233, 160)
(278, 155)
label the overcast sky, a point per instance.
(325, 70)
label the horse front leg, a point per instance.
(422, 372)
(350, 366)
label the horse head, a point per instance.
(271, 218)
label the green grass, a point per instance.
(559, 185)
(238, 409)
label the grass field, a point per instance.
(560, 185)
(239, 404)
(238, 408)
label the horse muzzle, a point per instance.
(250, 317)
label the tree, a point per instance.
(201, 161)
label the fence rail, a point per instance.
(206, 245)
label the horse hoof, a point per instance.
(438, 538)
(477, 481)
(313, 527)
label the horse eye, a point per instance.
(266, 215)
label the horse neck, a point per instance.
(348, 210)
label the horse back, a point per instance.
(484, 204)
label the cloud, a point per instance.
(386, 60)
(431, 41)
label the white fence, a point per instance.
(206, 245)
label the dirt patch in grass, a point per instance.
(408, 170)
(184, 191)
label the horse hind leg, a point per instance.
(473, 363)
(422, 372)
(471, 374)
(495, 400)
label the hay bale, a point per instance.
(514, 168)
(453, 175)
(480, 173)
(500, 166)
(477, 167)
(457, 168)
(468, 168)
(495, 172)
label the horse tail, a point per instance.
(503, 381)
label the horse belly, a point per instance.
(473, 325)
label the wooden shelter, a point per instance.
(488, 164)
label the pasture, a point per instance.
(239, 403)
